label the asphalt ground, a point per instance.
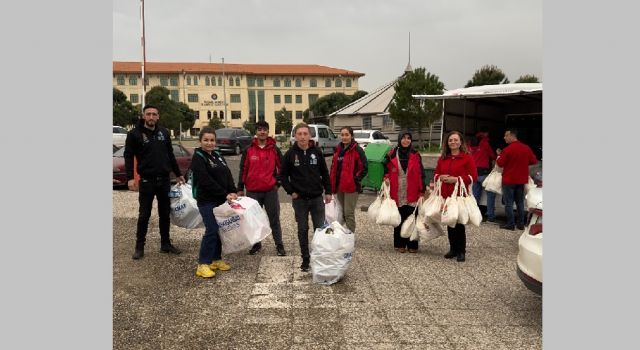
(387, 300)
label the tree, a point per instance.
(172, 113)
(305, 116)
(488, 75)
(283, 121)
(328, 104)
(250, 125)
(124, 113)
(528, 78)
(358, 95)
(411, 113)
(216, 123)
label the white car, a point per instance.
(529, 265)
(119, 135)
(365, 137)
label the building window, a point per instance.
(235, 98)
(164, 81)
(251, 82)
(133, 80)
(189, 80)
(298, 82)
(215, 114)
(366, 123)
(207, 81)
(298, 114)
(173, 81)
(133, 98)
(230, 81)
(221, 115)
(219, 81)
(276, 82)
(287, 98)
(327, 82)
(208, 115)
(192, 97)
(298, 98)
(237, 81)
(348, 82)
(338, 82)
(260, 82)
(313, 83)
(195, 80)
(120, 79)
(387, 122)
(236, 115)
(146, 81)
(312, 99)
(276, 98)
(287, 82)
(174, 94)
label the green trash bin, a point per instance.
(375, 153)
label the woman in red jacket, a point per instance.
(455, 161)
(404, 173)
(348, 168)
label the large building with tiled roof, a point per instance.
(250, 89)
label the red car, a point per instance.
(183, 156)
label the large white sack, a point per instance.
(332, 249)
(242, 224)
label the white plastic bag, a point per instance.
(475, 216)
(421, 220)
(242, 224)
(493, 181)
(433, 230)
(388, 213)
(531, 184)
(333, 211)
(408, 228)
(374, 208)
(184, 208)
(463, 214)
(449, 213)
(433, 204)
(332, 249)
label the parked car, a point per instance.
(232, 140)
(529, 261)
(115, 148)
(535, 171)
(365, 137)
(183, 157)
(322, 136)
(119, 135)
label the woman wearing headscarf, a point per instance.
(404, 173)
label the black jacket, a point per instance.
(153, 150)
(212, 178)
(305, 172)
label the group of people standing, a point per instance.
(303, 174)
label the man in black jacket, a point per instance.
(150, 144)
(305, 177)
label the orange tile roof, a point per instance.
(231, 68)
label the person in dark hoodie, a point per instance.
(260, 175)
(150, 145)
(404, 173)
(305, 177)
(212, 184)
(348, 167)
(483, 154)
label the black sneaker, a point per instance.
(450, 254)
(508, 227)
(460, 257)
(256, 248)
(280, 249)
(305, 266)
(139, 253)
(170, 249)
(491, 219)
(520, 227)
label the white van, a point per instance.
(322, 136)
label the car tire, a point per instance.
(237, 150)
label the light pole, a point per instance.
(224, 94)
(144, 56)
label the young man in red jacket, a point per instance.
(260, 176)
(514, 160)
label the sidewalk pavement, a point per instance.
(387, 300)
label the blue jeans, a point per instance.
(512, 193)
(491, 197)
(210, 246)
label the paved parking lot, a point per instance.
(387, 300)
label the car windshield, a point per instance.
(224, 132)
(119, 153)
(119, 130)
(361, 135)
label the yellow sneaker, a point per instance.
(205, 271)
(220, 265)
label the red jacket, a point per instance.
(353, 168)
(415, 173)
(483, 153)
(461, 165)
(260, 167)
(515, 160)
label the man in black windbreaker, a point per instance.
(305, 177)
(150, 144)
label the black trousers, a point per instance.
(302, 208)
(148, 189)
(457, 239)
(399, 242)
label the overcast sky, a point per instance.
(450, 38)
